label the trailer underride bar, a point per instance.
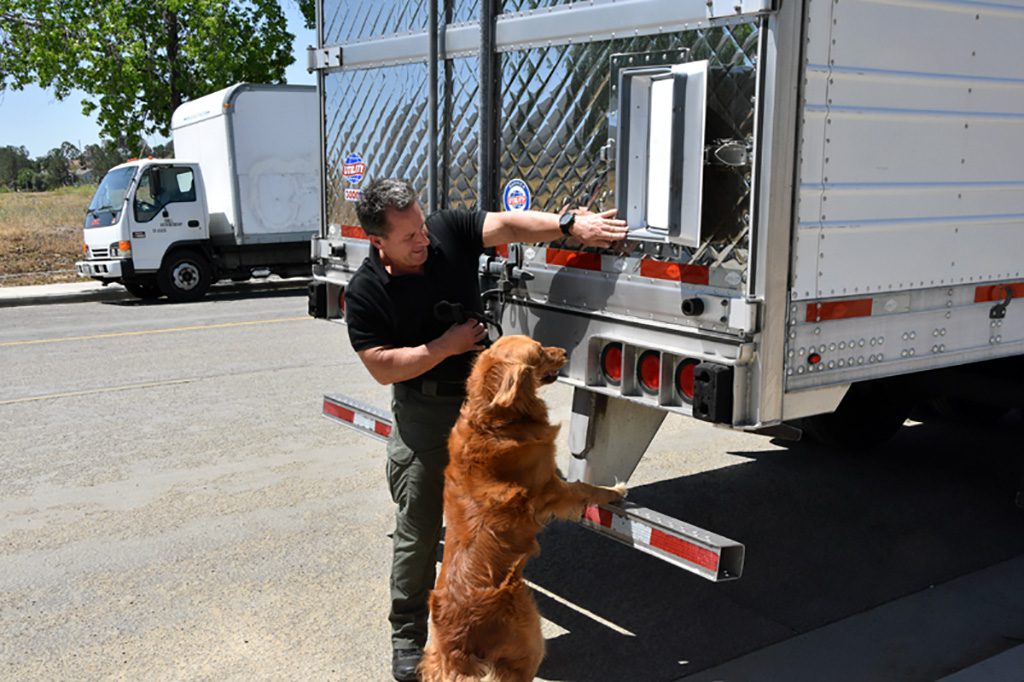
(709, 555)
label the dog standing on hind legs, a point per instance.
(501, 488)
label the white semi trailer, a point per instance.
(238, 200)
(825, 201)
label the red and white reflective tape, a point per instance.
(357, 416)
(998, 292)
(706, 554)
(643, 267)
(596, 262)
(844, 309)
(839, 310)
(353, 232)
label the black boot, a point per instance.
(404, 662)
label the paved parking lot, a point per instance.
(174, 507)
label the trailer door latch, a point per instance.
(998, 311)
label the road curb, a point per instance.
(38, 295)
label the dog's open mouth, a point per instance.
(550, 378)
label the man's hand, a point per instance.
(598, 229)
(462, 338)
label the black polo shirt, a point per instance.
(398, 311)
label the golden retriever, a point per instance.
(501, 487)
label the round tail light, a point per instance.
(684, 379)
(648, 370)
(611, 363)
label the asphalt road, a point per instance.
(173, 506)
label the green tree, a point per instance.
(137, 61)
(27, 180)
(12, 161)
(308, 9)
(99, 158)
(163, 151)
(54, 170)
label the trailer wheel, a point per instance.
(870, 414)
(185, 275)
(147, 290)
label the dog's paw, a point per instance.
(615, 493)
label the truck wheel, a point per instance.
(869, 414)
(145, 289)
(185, 275)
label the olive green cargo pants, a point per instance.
(417, 456)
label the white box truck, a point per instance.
(825, 201)
(238, 200)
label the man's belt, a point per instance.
(432, 387)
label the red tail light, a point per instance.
(649, 371)
(341, 301)
(684, 379)
(611, 363)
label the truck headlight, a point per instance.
(121, 249)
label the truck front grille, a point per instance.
(99, 253)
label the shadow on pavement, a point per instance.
(827, 536)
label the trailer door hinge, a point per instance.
(323, 58)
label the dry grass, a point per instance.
(41, 232)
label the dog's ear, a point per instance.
(512, 378)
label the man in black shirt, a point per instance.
(415, 263)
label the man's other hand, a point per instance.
(462, 338)
(598, 229)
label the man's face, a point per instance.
(405, 246)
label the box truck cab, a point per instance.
(241, 199)
(140, 210)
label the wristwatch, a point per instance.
(565, 222)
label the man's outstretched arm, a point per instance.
(592, 229)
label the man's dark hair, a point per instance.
(378, 196)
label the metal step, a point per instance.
(681, 544)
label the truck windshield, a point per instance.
(110, 194)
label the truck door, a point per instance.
(167, 208)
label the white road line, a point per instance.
(109, 389)
(579, 609)
(143, 332)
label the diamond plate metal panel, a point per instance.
(459, 162)
(350, 20)
(381, 115)
(463, 10)
(554, 123)
(526, 5)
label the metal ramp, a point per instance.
(709, 555)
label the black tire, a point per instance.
(869, 414)
(186, 275)
(146, 290)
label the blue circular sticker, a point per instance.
(353, 169)
(516, 196)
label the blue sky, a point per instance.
(35, 119)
